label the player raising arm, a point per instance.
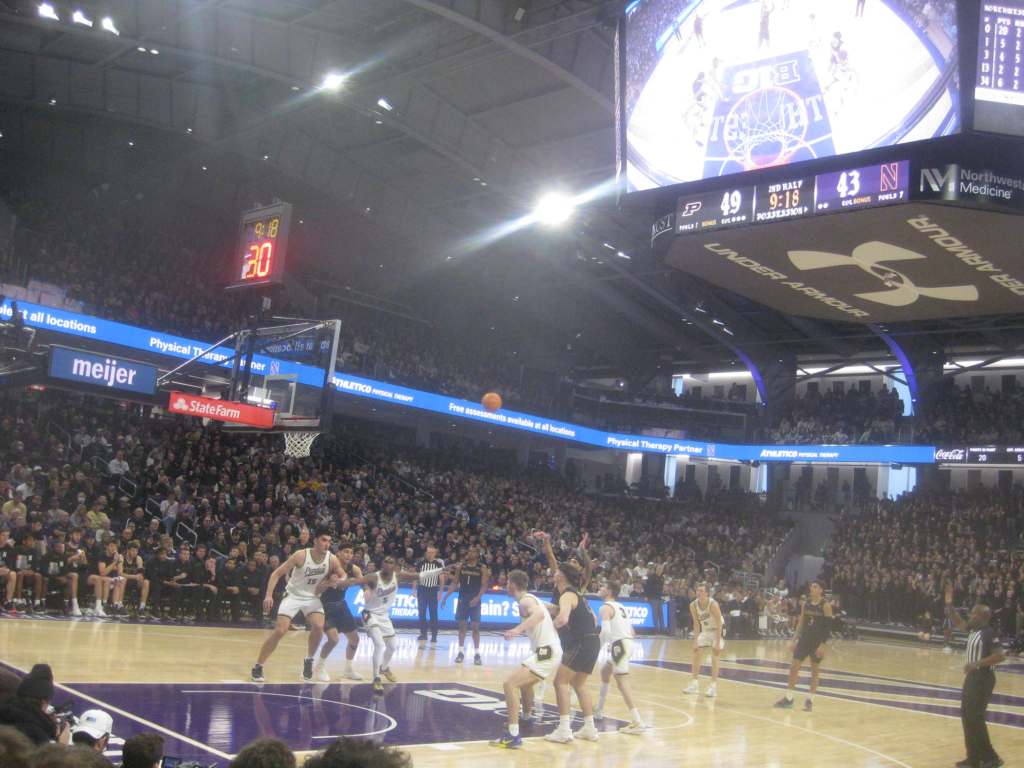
(338, 618)
(542, 663)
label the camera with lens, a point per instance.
(65, 713)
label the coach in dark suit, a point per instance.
(431, 581)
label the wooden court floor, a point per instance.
(878, 704)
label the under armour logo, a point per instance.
(871, 258)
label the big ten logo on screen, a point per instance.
(779, 75)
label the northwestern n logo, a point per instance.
(872, 258)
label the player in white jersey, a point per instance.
(541, 664)
(308, 568)
(708, 616)
(618, 633)
(379, 591)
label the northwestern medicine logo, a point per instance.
(874, 258)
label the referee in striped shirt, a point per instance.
(983, 652)
(431, 581)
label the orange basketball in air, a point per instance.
(491, 402)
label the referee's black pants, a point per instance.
(974, 698)
(426, 600)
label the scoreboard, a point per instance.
(981, 454)
(795, 198)
(999, 85)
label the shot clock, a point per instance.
(262, 248)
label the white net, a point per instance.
(770, 126)
(297, 444)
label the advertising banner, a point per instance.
(102, 370)
(497, 608)
(177, 347)
(221, 410)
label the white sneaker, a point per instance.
(98, 611)
(599, 713)
(692, 688)
(947, 649)
(559, 736)
(633, 728)
(350, 674)
(320, 673)
(710, 692)
(76, 611)
(589, 733)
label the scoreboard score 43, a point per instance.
(795, 198)
(259, 257)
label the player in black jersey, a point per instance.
(812, 632)
(471, 576)
(338, 618)
(581, 644)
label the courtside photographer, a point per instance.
(29, 709)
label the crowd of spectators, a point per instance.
(122, 267)
(127, 268)
(107, 524)
(839, 418)
(974, 416)
(892, 563)
(648, 21)
(35, 734)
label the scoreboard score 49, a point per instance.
(259, 257)
(795, 198)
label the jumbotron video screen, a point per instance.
(715, 87)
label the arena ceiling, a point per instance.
(455, 116)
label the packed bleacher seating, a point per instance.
(152, 484)
(123, 266)
(839, 418)
(892, 563)
(965, 416)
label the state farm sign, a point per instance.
(221, 410)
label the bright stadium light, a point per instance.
(79, 18)
(108, 24)
(332, 82)
(383, 104)
(47, 12)
(554, 208)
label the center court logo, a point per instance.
(874, 258)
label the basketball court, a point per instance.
(879, 704)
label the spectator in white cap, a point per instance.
(93, 730)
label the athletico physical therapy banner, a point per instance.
(177, 347)
(496, 608)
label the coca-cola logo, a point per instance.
(950, 454)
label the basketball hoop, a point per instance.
(766, 128)
(297, 444)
